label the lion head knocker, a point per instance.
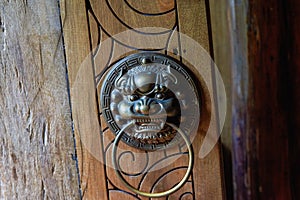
(150, 94)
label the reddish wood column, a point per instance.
(265, 101)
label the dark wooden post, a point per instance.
(293, 37)
(265, 99)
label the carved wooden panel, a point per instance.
(99, 32)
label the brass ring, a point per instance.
(146, 194)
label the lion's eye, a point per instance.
(160, 88)
(164, 88)
(133, 97)
(159, 96)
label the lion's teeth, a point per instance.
(161, 125)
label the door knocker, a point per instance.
(150, 101)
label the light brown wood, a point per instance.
(84, 108)
(193, 23)
(221, 39)
(84, 69)
(219, 12)
(36, 139)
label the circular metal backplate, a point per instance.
(150, 90)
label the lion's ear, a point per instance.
(130, 86)
(125, 83)
(120, 80)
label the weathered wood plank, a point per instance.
(244, 161)
(36, 141)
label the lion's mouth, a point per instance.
(152, 131)
(143, 125)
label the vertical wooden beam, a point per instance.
(219, 12)
(83, 99)
(267, 59)
(242, 158)
(36, 140)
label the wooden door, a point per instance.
(93, 40)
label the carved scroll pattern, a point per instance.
(129, 15)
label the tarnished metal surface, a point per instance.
(150, 90)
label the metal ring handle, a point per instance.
(146, 194)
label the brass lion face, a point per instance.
(149, 94)
(143, 95)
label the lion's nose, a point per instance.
(146, 106)
(142, 109)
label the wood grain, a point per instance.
(36, 139)
(244, 161)
(84, 107)
(221, 40)
(207, 171)
(269, 100)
